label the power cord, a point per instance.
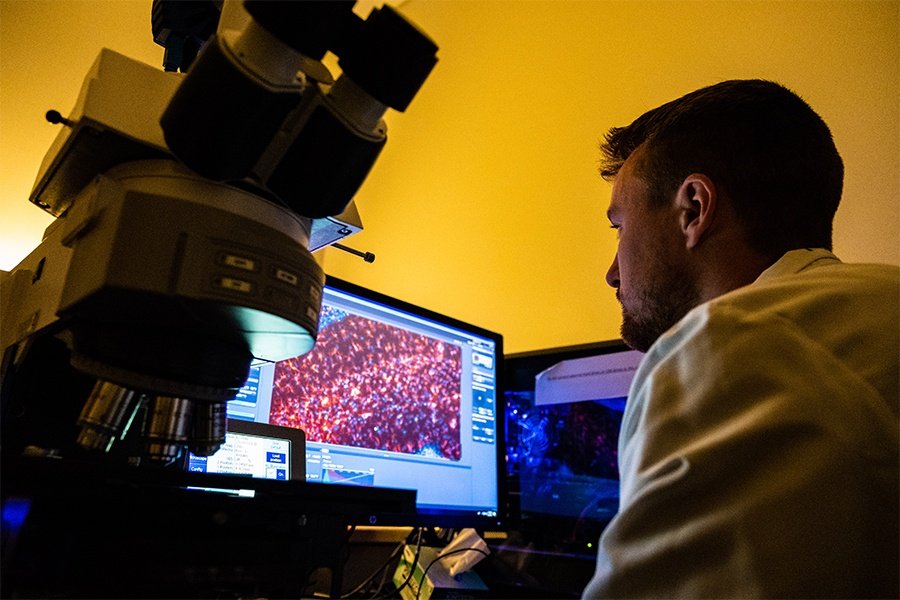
(438, 559)
(412, 567)
(376, 595)
(383, 569)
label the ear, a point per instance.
(697, 201)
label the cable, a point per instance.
(370, 578)
(441, 557)
(412, 566)
(359, 588)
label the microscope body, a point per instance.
(188, 206)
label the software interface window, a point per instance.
(250, 455)
(389, 398)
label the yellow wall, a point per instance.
(485, 204)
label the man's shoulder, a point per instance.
(820, 269)
(833, 322)
(818, 293)
(824, 303)
(810, 297)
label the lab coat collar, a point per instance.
(795, 261)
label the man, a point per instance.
(759, 447)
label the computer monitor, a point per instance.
(397, 396)
(563, 411)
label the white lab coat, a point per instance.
(759, 446)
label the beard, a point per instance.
(649, 312)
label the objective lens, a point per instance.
(210, 422)
(167, 428)
(106, 415)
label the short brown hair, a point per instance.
(762, 145)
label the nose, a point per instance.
(612, 275)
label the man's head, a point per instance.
(728, 177)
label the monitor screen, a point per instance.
(256, 450)
(563, 411)
(394, 396)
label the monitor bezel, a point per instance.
(449, 518)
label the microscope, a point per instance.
(188, 202)
(187, 209)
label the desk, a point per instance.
(104, 531)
